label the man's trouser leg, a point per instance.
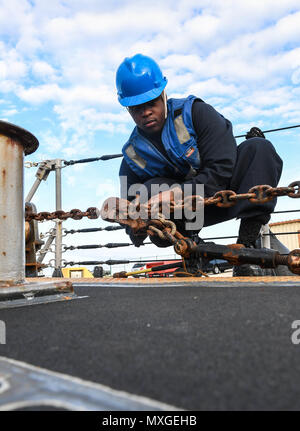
(257, 163)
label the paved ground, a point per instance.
(203, 348)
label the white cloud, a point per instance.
(44, 70)
(40, 94)
(51, 142)
(212, 48)
(296, 76)
(9, 112)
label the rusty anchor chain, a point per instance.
(126, 213)
(236, 254)
(75, 214)
(124, 209)
(123, 212)
(258, 195)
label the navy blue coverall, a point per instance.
(224, 165)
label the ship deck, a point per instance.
(189, 343)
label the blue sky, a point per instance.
(57, 79)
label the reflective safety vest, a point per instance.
(179, 139)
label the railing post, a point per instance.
(266, 241)
(58, 224)
(14, 143)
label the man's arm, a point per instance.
(128, 178)
(217, 148)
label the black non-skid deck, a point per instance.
(191, 347)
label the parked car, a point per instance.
(217, 265)
(137, 267)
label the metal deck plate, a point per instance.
(39, 292)
(23, 385)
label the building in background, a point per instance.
(291, 241)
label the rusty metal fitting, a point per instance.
(121, 274)
(181, 247)
(296, 193)
(293, 261)
(27, 231)
(184, 247)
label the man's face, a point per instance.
(149, 116)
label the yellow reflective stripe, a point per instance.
(182, 132)
(138, 160)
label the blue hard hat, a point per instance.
(139, 79)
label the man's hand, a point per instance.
(164, 202)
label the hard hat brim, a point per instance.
(143, 98)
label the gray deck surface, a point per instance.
(197, 348)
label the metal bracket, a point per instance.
(19, 295)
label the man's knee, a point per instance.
(257, 145)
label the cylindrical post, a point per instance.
(266, 241)
(14, 142)
(58, 224)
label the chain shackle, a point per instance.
(294, 261)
